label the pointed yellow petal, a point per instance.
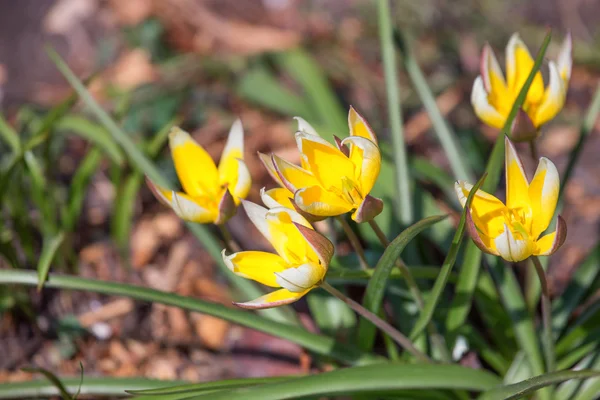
(366, 158)
(554, 97)
(302, 278)
(194, 209)
(484, 110)
(483, 242)
(235, 176)
(543, 195)
(278, 197)
(285, 237)
(491, 73)
(162, 195)
(512, 249)
(486, 210)
(317, 201)
(359, 126)
(195, 168)
(274, 299)
(292, 176)
(328, 164)
(267, 161)
(551, 242)
(256, 265)
(517, 188)
(519, 64)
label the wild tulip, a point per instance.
(299, 264)
(210, 194)
(493, 96)
(512, 230)
(332, 180)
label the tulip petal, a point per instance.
(359, 126)
(236, 177)
(368, 209)
(565, 58)
(543, 195)
(277, 197)
(162, 195)
(519, 64)
(517, 188)
(484, 243)
(366, 158)
(510, 248)
(317, 201)
(324, 160)
(227, 208)
(195, 168)
(267, 161)
(274, 299)
(194, 209)
(256, 265)
(304, 126)
(285, 237)
(490, 71)
(258, 216)
(292, 176)
(554, 97)
(551, 242)
(319, 243)
(486, 210)
(484, 110)
(301, 278)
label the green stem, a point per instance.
(546, 316)
(436, 338)
(230, 243)
(354, 241)
(392, 332)
(390, 69)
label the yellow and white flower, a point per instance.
(493, 96)
(210, 193)
(513, 230)
(332, 180)
(299, 264)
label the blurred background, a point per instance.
(201, 64)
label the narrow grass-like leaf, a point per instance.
(461, 304)
(447, 138)
(440, 283)
(373, 297)
(49, 249)
(321, 97)
(9, 135)
(92, 132)
(377, 378)
(521, 389)
(53, 380)
(317, 343)
(195, 388)
(578, 287)
(403, 204)
(261, 87)
(91, 386)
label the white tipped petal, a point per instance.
(274, 299)
(189, 210)
(489, 65)
(258, 215)
(299, 279)
(244, 181)
(304, 126)
(235, 140)
(554, 97)
(565, 58)
(510, 248)
(484, 110)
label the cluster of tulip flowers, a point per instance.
(335, 179)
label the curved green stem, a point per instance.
(546, 316)
(354, 241)
(392, 332)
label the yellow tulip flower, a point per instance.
(299, 265)
(512, 231)
(493, 96)
(332, 180)
(211, 194)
